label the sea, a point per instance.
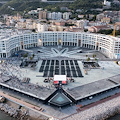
(116, 117)
(4, 116)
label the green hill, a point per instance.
(20, 6)
(14, 6)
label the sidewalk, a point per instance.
(25, 104)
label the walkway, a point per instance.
(96, 109)
(25, 104)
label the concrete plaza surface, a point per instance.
(106, 70)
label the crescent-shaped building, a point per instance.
(108, 45)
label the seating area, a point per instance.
(60, 67)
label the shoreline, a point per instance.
(101, 111)
(115, 117)
(104, 111)
(24, 107)
(5, 116)
(14, 111)
(107, 111)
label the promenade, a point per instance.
(25, 104)
(96, 111)
(100, 110)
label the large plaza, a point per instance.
(90, 74)
(107, 67)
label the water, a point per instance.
(116, 117)
(4, 116)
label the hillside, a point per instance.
(14, 6)
(20, 6)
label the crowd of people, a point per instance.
(11, 69)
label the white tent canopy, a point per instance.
(60, 78)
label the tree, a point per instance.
(33, 55)
(94, 18)
(31, 58)
(95, 59)
(33, 30)
(85, 30)
(94, 55)
(25, 55)
(88, 59)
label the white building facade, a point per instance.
(42, 27)
(107, 3)
(54, 15)
(108, 45)
(66, 15)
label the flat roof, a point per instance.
(87, 89)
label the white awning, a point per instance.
(60, 78)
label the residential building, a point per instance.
(42, 27)
(98, 28)
(66, 15)
(105, 20)
(42, 15)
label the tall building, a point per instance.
(81, 23)
(66, 15)
(42, 15)
(54, 15)
(42, 27)
(49, 15)
(107, 3)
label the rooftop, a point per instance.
(93, 87)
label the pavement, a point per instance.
(107, 69)
(25, 104)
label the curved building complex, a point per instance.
(108, 45)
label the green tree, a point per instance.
(88, 59)
(85, 30)
(25, 55)
(33, 55)
(96, 59)
(33, 30)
